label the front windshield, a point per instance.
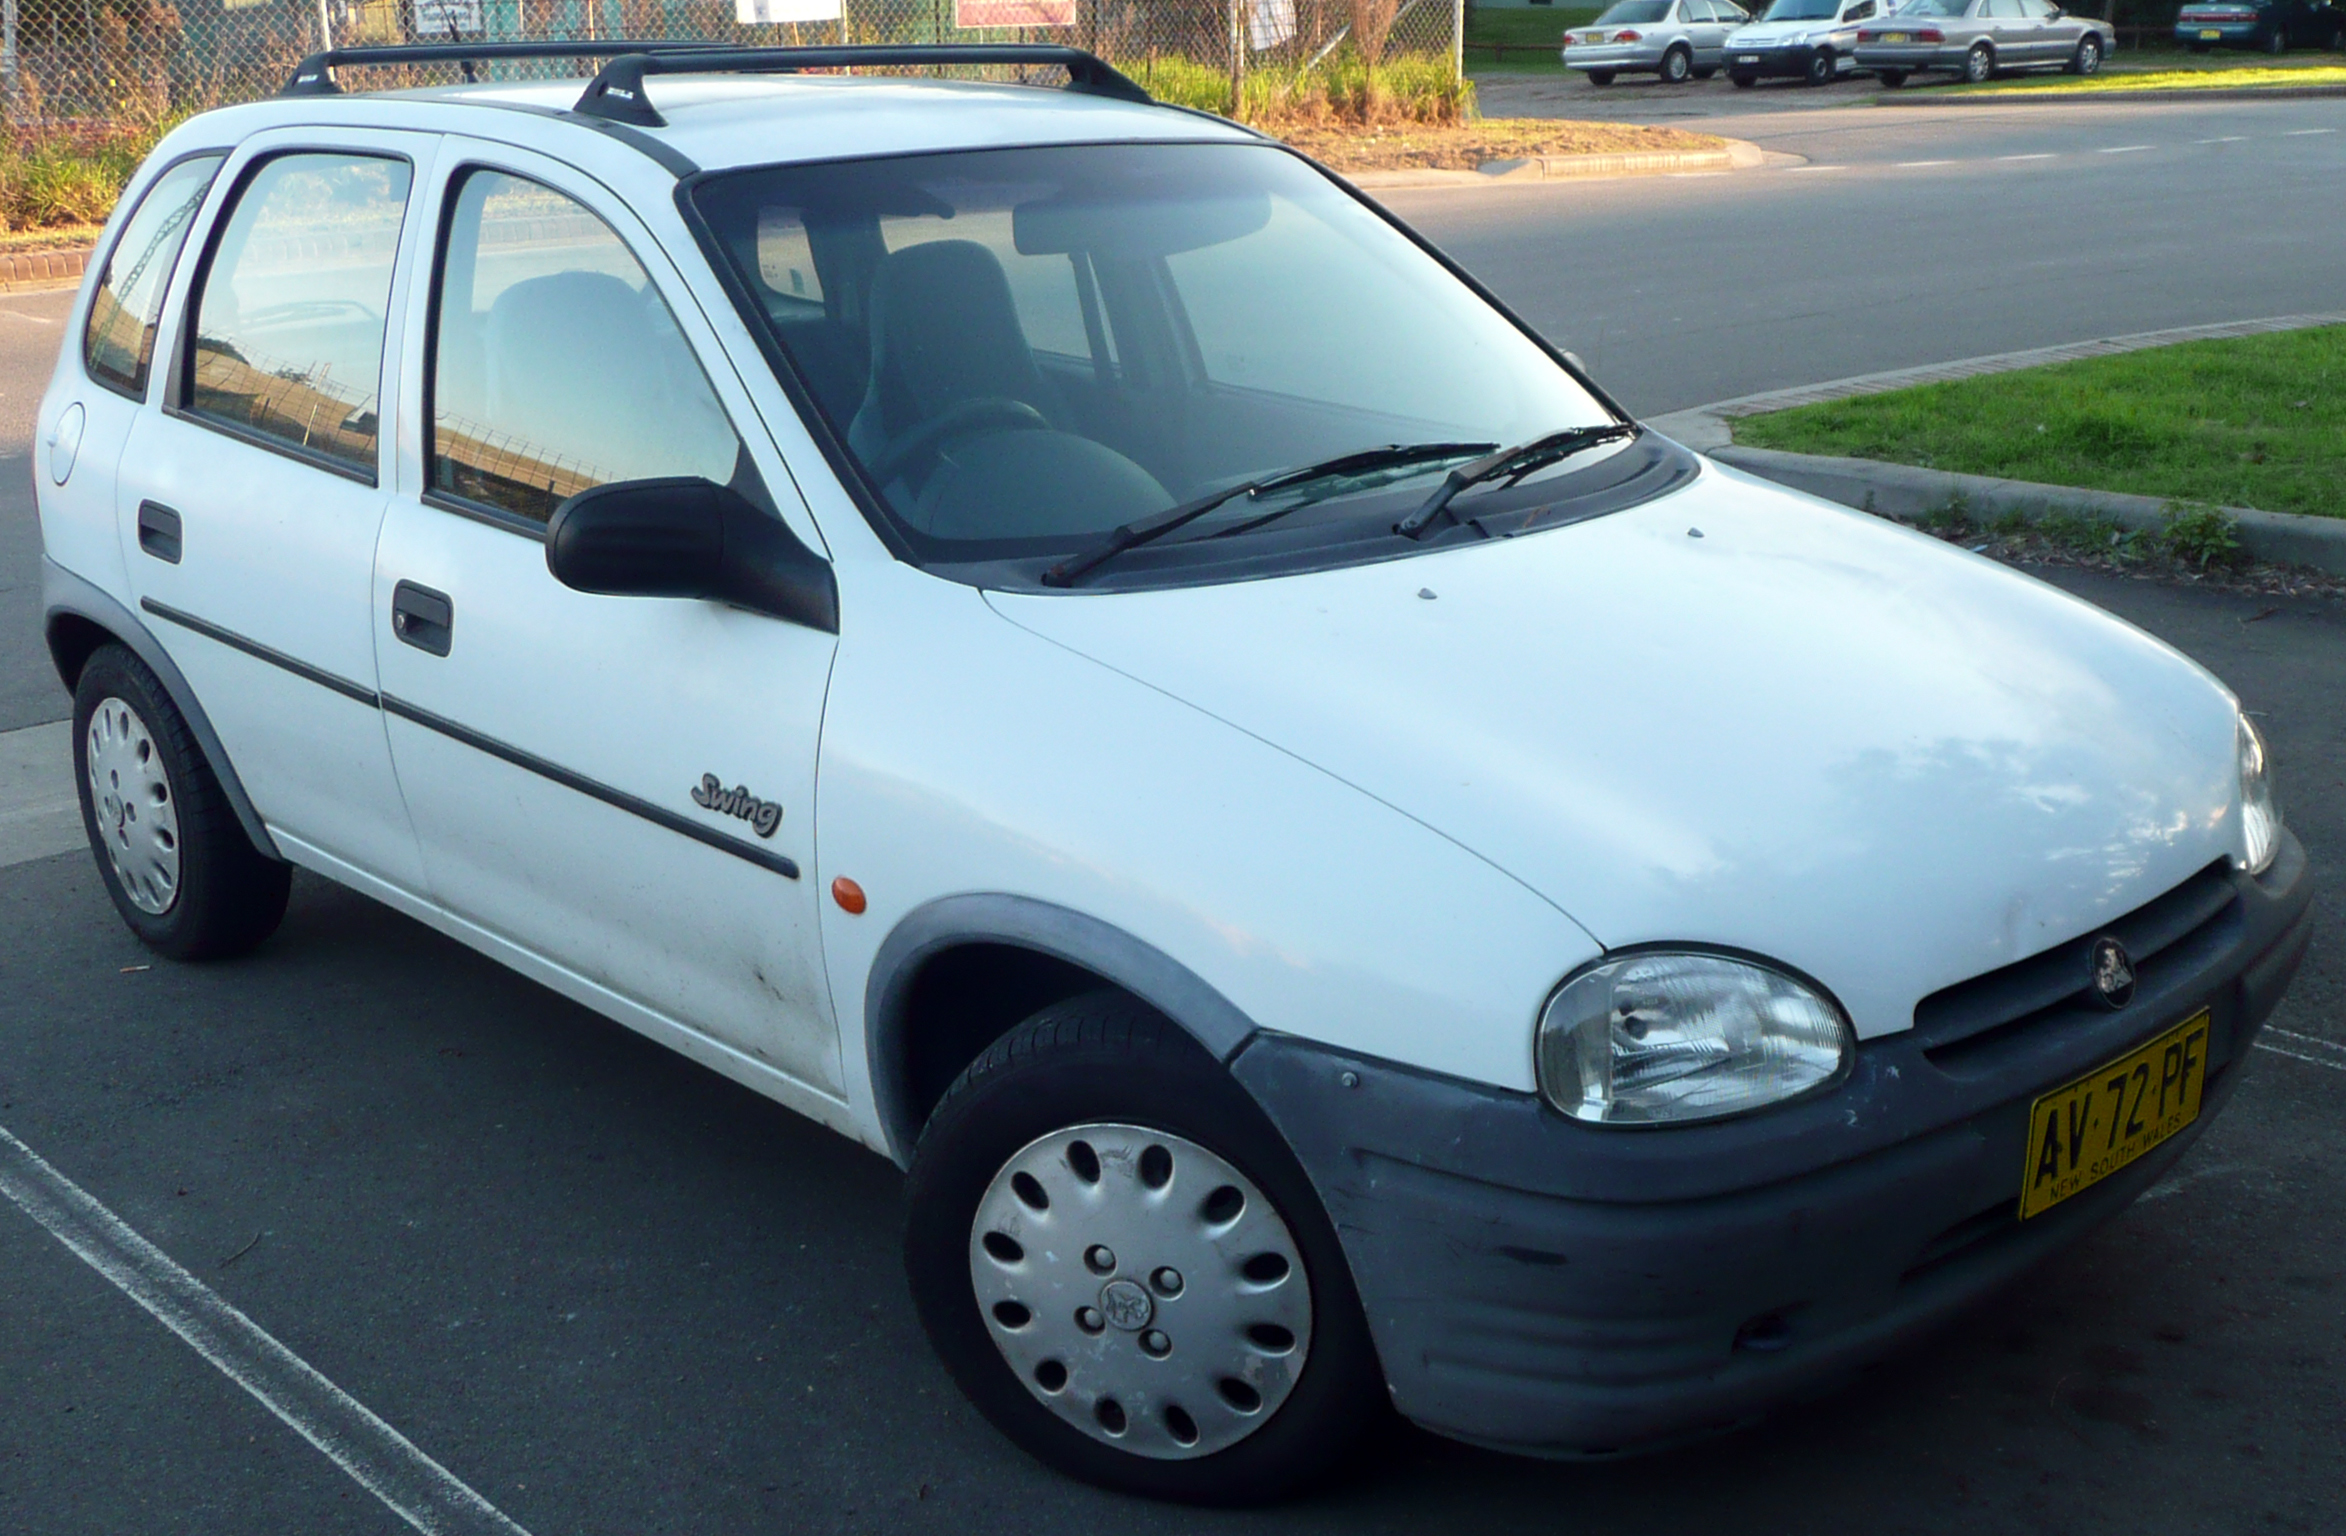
(1803, 10)
(1027, 348)
(1633, 12)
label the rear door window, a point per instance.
(119, 346)
(289, 322)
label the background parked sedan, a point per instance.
(2272, 26)
(1811, 40)
(1670, 38)
(1976, 38)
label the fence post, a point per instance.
(8, 55)
(1458, 38)
(325, 27)
(1237, 60)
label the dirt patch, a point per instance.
(1469, 146)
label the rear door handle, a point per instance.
(423, 618)
(158, 531)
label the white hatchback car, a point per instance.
(1049, 634)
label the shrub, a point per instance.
(2203, 536)
(66, 176)
(1411, 88)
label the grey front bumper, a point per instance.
(1540, 1285)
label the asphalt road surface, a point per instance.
(616, 1294)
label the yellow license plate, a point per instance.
(2080, 1134)
(1896, 37)
(2211, 35)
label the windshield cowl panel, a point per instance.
(1359, 530)
(1020, 352)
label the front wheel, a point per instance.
(174, 858)
(2088, 59)
(1124, 1267)
(1893, 78)
(1979, 65)
(1820, 67)
(1744, 82)
(2278, 43)
(1677, 66)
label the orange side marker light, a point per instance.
(849, 895)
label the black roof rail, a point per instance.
(314, 76)
(617, 94)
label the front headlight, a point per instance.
(2260, 814)
(1662, 1038)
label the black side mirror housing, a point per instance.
(689, 537)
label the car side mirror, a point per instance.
(689, 537)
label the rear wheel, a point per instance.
(1125, 1268)
(1600, 77)
(1820, 67)
(173, 856)
(2277, 43)
(1893, 78)
(1979, 65)
(1677, 66)
(2088, 58)
(1744, 82)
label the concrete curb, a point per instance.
(2057, 98)
(1736, 156)
(28, 271)
(1906, 492)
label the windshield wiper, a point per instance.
(1511, 463)
(1132, 535)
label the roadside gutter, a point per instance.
(2071, 98)
(27, 271)
(1737, 155)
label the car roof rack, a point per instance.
(617, 93)
(314, 76)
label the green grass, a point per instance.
(2259, 421)
(1539, 26)
(2180, 77)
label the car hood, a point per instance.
(1734, 716)
(1761, 33)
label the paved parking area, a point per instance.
(614, 1293)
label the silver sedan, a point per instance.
(1978, 38)
(1675, 39)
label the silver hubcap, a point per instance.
(1143, 1289)
(137, 815)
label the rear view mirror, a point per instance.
(688, 537)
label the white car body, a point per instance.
(1379, 811)
(1767, 48)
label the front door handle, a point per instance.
(423, 618)
(158, 531)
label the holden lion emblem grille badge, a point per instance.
(2113, 974)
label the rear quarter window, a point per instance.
(118, 347)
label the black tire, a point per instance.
(1677, 66)
(1893, 78)
(1107, 1058)
(1744, 82)
(2088, 58)
(227, 896)
(1979, 65)
(1820, 67)
(1600, 77)
(2278, 42)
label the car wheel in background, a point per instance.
(1893, 78)
(1744, 82)
(2278, 43)
(1600, 77)
(1820, 67)
(2088, 59)
(1122, 1264)
(1979, 65)
(169, 847)
(1677, 66)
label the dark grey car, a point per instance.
(1978, 38)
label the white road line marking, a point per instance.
(1797, 168)
(2046, 156)
(2229, 138)
(2299, 133)
(2334, 1066)
(2314, 1042)
(40, 815)
(1916, 165)
(2125, 149)
(384, 1462)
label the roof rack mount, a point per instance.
(314, 76)
(617, 94)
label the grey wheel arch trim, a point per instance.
(1145, 971)
(62, 592)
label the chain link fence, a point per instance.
(131, 64)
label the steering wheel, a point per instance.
(995, 412)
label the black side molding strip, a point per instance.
(269, 654)
(786, 867)
(530, 762)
